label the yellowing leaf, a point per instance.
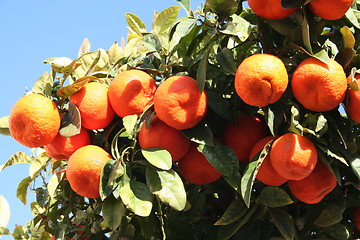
(348, 37)
(69, 90)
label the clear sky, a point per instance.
(31, 31)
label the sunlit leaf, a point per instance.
(237, 27)
(71, 123)
(113, 210)
(106, 186)
(168, 186)
(17, 158)
(158, 157)
(348, 37)
(85, 47)
(135, 23)
(323, 56)
(274, 117)
(295, 125)
(283, 222)
(69, 90)
(86, 63)
(130, 122)
(58, 63)
(54, 183)
(21, 191)
(185, 4)
(274, 197)
(4, 126)
(38, 164)
(4, 212)
(235, 211)
(165, 19)
(44, 84)
(351, 16)
(4, 231)
(115, 53)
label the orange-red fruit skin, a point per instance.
(353, 105)
(266, 173)
(314, 187)
(34, 120)
(242, 136)
(293, 156)
(84, 169)
(319, 86)
(329, 9)
(131, 91)
(179, 103)
(270, 9)
(356, 218)
(62, 147)
(261, 79)
(94, 106)
(163, 136)
(196, 169)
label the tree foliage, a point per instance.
(143, 196)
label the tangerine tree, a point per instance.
(236, 121)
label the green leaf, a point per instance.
(183, 27)
(236, 210)
(113, 210)
(234, 180)
(69, 90)
(238, 27)
(106, 186)
(39, 164)
(71, 123)
(165, 19)
(220, 105)
(350, 15)
(54, 183)
(274, 197)
(223, 8)
(274, 117)
(322, 55)
(130, 122)
(201, 71)
(4, 126)
(115, 53)
(226, 60)
(4, 212)
(136, 196)
(168, 186)
(305, 29)
(135, 24)
(86, 64)
(185, 4)
(58, 63)
(331, 214)
(220, 157)
(44, 84)
(158, 157)
(16, 158)
(295, 125)
(21, 191)
(283, 222)
(41, 196)
(336, 231)
(85, 47)
(4, 231)
(201, 134)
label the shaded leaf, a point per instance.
(135, 24)
(283, 222)
(4, 212)
(21, 191)
(4, 126)
(201, 72)
(158, 157)
(201, 134)
(345, 56)
(292, 3)
(16, 158)
(330, 215)
(274, 117)
(220, 157)
(69, 90)
(223, 8)
(71, 123)
(106, 186)
(44, 84)
(336, 231)
(226, 60)
(41, 196)
(85, 47)
(165, 19)
(235, 211)
(113, 210)
(168, 186)
(220, 106)
(274, 197)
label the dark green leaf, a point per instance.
(330, 215)
(274, 117)
(235, 211)
(17, 158)
(44, 84)
(106, 186)
(336, 231)
(158, 157)
(223, 8)
(165, 19)
(201, 72)
(201, 134)
(168, 186)
(135, 23)
(274, 197)
(220, 106)
(305, 29)
(21, 191)
(4, 126)
(226, 60)
(283, 222)
(71, 123)
(41, 196)
(220, 157)
(113, 210)
(235, 179)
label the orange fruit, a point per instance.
(196, 169)
(330, 9)
(261, 79)
(356, 217)
(62, 147)
(131, 91)
(242, 136)
(353, 104)
(84, 169)
(179, 103)
(161, 135)
(313, 188)
(319, 86)
(34, 120)
(270, 9)
(94, 106)
(266, 173)
(293, 156)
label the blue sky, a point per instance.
(31, 31)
